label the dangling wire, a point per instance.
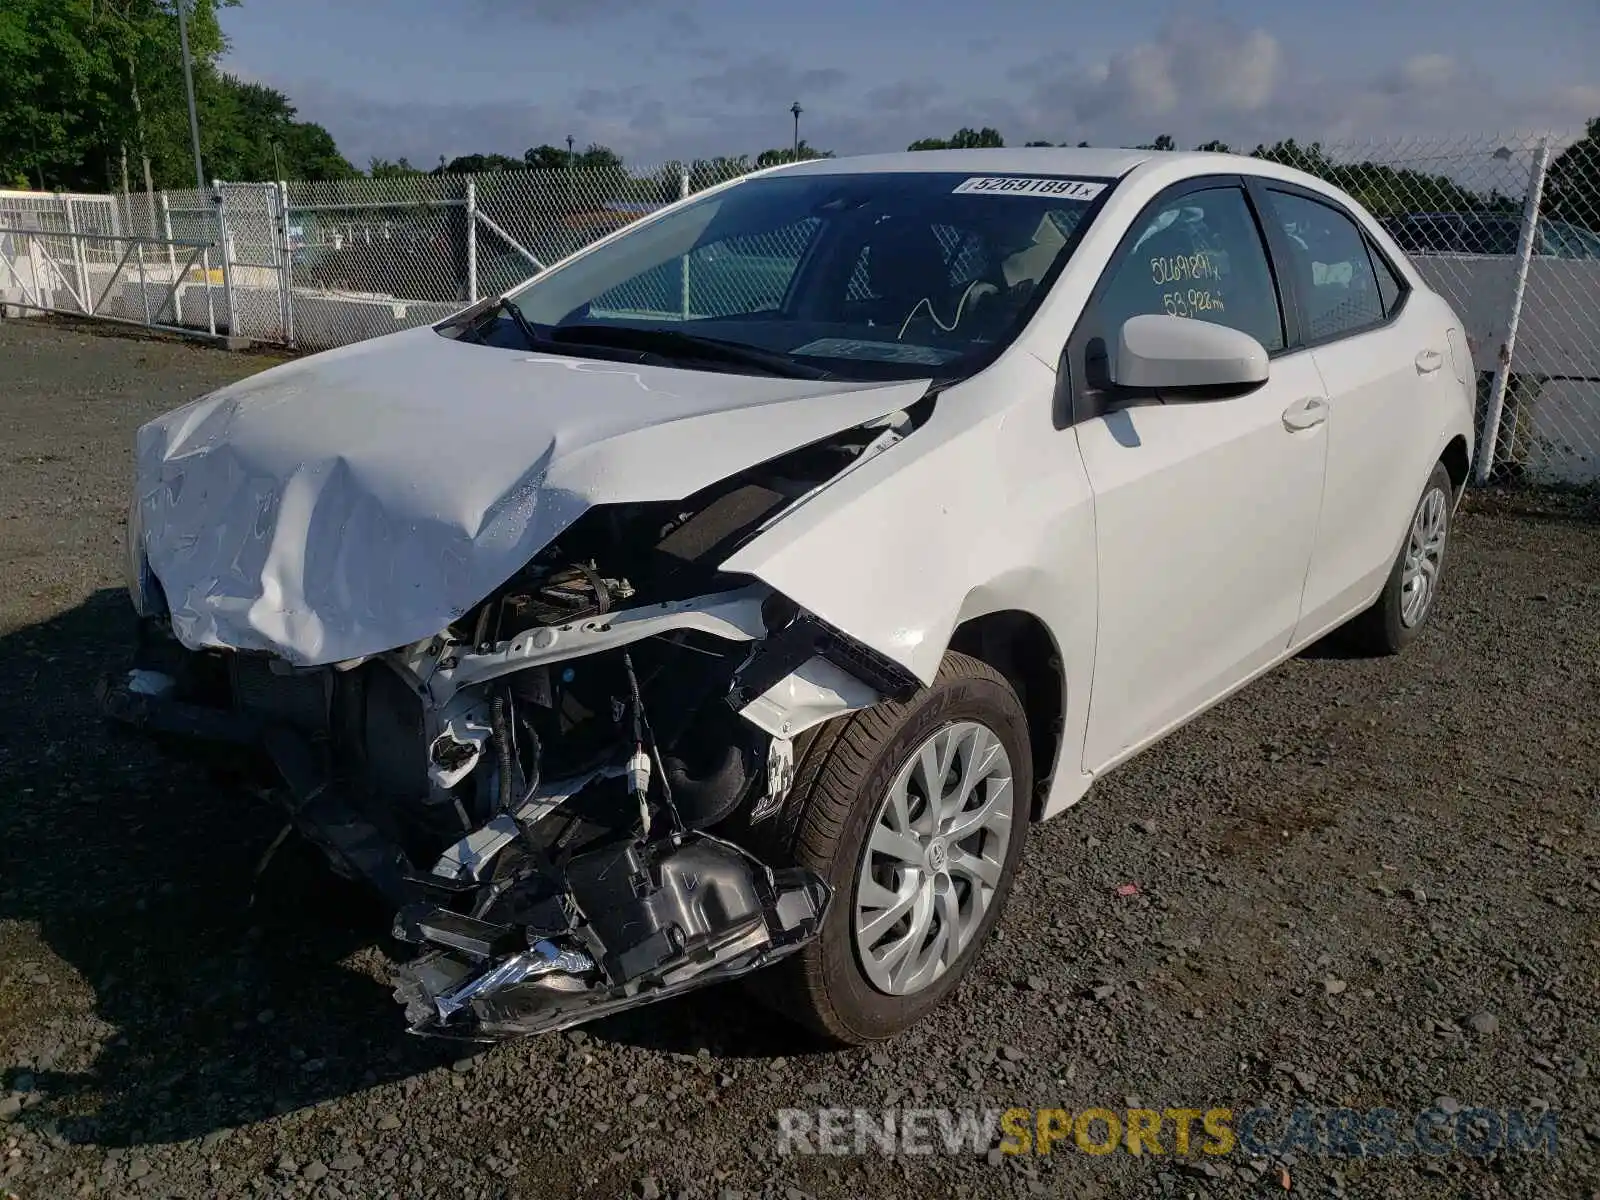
(644, 736)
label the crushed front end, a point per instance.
(558, 793)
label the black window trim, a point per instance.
(1261, 187)
(1074, 403)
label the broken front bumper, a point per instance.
(506, 942)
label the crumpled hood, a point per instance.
(365, 498)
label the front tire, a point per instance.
(915, 814)
(1408, 598)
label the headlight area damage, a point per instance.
(553, 791)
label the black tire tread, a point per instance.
(1378, 632)
(825, 791)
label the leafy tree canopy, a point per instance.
(773, 158)
(963, 139)
(89, 85)
(1572, 188)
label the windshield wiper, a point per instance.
(476, 320)
(674, 343)
(524, 326)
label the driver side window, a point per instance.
(1198, 256)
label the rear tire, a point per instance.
(858, 783)
(1409, 596)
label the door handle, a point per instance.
(1304, 414)
(1429, 361)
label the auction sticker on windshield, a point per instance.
(1011, 185)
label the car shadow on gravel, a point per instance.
(186, 1008)
(200, 997)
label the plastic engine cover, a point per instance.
(646, 906)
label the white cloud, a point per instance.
(1199, 80)
(1196, 80)
(1190, 66)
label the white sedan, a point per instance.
(735, 594)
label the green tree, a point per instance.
(773, 158)
(253, 134)
(1290, 153)
(479, 164)
(708, 172)
(383, 168)
(1572, 188)
(595, 157)
(1164, 141)
(964, 138)
(1379, 187)
(1215, 147)
(546, 157)
(91, 90)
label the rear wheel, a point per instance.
(1407, 599)
(915, 814)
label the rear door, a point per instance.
(1379, 358)
(1205, 511)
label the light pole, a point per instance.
(796, 110)
(188, 85)
(569, 149)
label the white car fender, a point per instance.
(984, 509)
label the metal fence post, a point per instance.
(226, 250)
(80, 266)
(472, 239)
(1519, 287)
(683, 263)
(286, 263)
(211, 305)
(172, 260)
(144, 285)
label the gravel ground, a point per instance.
(1359, 883)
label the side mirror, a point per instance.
(1156, 352)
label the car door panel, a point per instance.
(1381, 360)
(1205, 509)
(1205, 515)
(1379, 430)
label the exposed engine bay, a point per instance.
(557, 790)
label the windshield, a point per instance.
(854, 276)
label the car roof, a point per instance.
(1079, 161)
(1101, 163)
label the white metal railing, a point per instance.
(131, 280)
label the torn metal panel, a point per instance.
(365, 498)
(814, 692)
(734, 616)
(648, 921)
(470, 856)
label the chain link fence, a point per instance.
(1505, 228)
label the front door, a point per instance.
(1205, 510)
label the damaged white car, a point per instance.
(740, 589)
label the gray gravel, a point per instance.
(1358, 883)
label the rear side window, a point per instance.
(1198, 256)
(1390, 290)
(1333, 271)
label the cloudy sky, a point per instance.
(681, 78)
